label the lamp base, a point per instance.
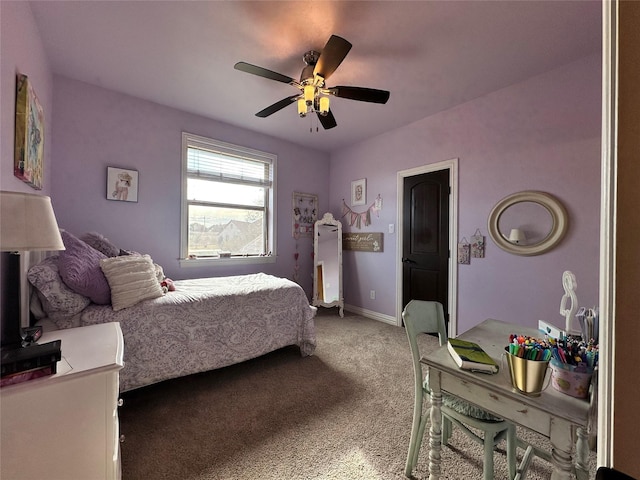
(10, 295)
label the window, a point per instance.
(228, 213)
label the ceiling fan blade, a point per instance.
(270, 110)
(361, 94)
(328, 121)
(331, 56)
(263, 72)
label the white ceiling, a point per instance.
(430, 55)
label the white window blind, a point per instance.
(208, 165)
(228, 193)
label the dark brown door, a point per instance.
(425, 238)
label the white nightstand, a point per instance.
(65, 426)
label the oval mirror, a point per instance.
(527, 223)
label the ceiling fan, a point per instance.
(314, 94)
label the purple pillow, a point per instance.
(100, 243)
(79, 267)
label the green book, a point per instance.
(471, 356)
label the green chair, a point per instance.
(428, 317)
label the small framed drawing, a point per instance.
(305, 214)
(359, 192)
(122, 184)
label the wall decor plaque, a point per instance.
(362, 242)
(305, 214)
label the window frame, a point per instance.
(195, 141)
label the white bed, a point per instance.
(208, 323)
(204, 324)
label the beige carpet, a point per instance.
(344, 413)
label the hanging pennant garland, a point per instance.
(357, 219)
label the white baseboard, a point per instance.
(371, 314)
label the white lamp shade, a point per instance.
(27, 223)
(517, 236)
(309, 93)
(302, 107)
(324, 105)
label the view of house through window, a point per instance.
(227, 198)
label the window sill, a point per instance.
(211, 261)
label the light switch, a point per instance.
(392, 228)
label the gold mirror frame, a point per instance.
(545, 200)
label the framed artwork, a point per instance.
(359, 192)
(29, 139)
(122, 184)
(305, 214)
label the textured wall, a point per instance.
(542, 134)
(96, 128)
(22, 52)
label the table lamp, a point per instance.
(517, 236)
(27, 223)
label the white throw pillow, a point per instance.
(132, 278)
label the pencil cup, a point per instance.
(527, 376)
(571, 379)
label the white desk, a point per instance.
(557, 416)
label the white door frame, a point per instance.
(452, 166)
(606, 364)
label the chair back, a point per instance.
(421, 316)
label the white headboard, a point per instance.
(27, 260)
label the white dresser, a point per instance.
(65, 426)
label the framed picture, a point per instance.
(29, 140)
(359, 192)
(305, 214)
(122, 184)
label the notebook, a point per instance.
(471, 356)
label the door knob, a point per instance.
(407, 260)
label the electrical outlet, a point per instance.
(372, 294)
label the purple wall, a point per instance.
(96, 128)
(542, 134)
(22, 52)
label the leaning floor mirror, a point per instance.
(327, 263)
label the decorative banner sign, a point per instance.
(362, 242)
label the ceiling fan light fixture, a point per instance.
(302, 107)
(309, 94)
(313, 93)
(324, 105)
